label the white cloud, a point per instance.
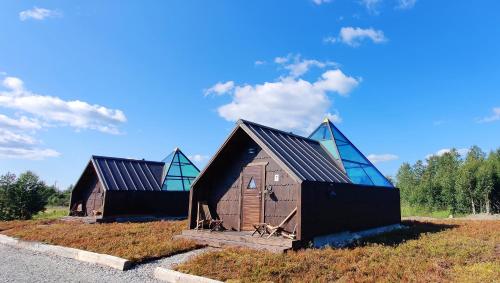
(290, 103)
(330, 39)
(75, 113)
(14, 84)
(461, 151)
(11, 138)
(298, 66)
(198, 158)
(23, 123)
(319, 2)
(260, 62)
(492, 118)
(220, 88)
(27, 153)
(282, 60)
(22, 146)
(17, 134)
(336, 81)
(38, 14)
(371, 5)
(405, 4)
(378, 158)
(354, 35)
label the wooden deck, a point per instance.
(239, 239)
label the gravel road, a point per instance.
(20, 265)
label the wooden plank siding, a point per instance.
(222, 182)
(331, 208)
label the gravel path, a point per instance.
(19, 265)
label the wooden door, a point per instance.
(251, 194)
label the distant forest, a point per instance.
(469, 184)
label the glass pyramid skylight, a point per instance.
(179, 172)
(358, 168)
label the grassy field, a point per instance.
(52, 212)
(407, 211)
(134, 241)
(437, 251)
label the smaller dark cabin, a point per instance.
(117, 187)
(264, 175)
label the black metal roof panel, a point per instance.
(120, 174)
(305, 157)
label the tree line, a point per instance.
(24, 196)
(469, 184)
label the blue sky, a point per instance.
(402, 79)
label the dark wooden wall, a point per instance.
(164, 203)
(123, 203)
(94, 199)
(331, 208)
(88, 191)
(284, 198)
(220, 185)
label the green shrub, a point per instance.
(22, 197)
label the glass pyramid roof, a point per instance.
(357, 167)
(179, 172)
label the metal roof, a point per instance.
(308, 160)
(120, 174)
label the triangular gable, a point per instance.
(359, 169)
(89, 169)
(179, 172)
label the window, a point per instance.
(251, 184)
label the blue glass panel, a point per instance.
(168, 159)
(183, 159)
(348, 152)
(377, 178)
(358, 176)
(173, 185)
(174, 169)
(348, 164)
(189, 171)
(187, 184)
(322, 133)
(330, 146)
(338, 135)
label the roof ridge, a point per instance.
(125, 159)
(246, 122)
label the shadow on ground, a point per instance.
(414, 231)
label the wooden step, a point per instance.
(240, 239)
(219, 243)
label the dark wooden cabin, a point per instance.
(261, 175)
(116, 187)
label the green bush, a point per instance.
(55, 197)
(22, 197)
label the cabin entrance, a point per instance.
(95, 200)
(251, 196)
